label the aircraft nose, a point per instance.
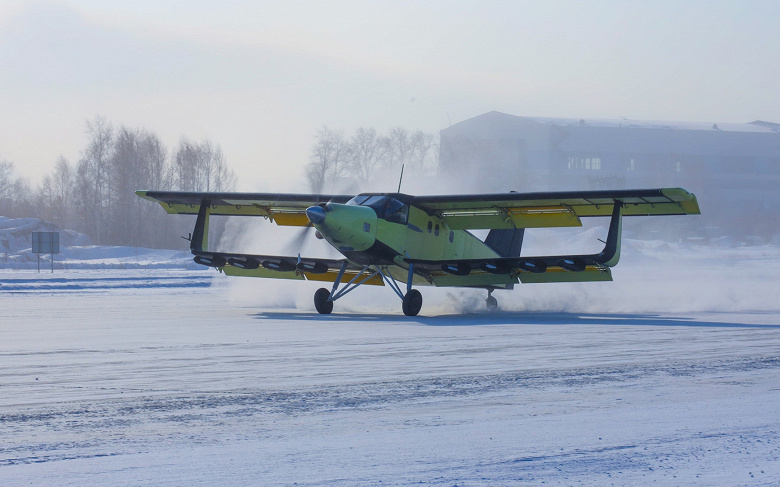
(315, 214)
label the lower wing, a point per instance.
(283, 267)
(508, 270)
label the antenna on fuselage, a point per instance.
(400, 179)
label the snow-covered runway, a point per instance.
(177, 385)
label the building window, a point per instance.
(587, 163)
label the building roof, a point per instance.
(757, 126)
(498, 121)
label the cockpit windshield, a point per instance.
(385, 207)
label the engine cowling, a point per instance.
(457, 268)
(244, 263)
(570, 264)
(210, 260)
(278, 265)
(535, 266)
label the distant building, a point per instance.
(734, 169)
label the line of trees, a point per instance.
(367, 156)
(96, 196)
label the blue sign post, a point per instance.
(46, 243)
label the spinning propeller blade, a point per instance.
(295, 244)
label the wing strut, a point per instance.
(199, 245)
(335, 293)
(611, 253)
(200, 235)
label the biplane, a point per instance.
(405, 241)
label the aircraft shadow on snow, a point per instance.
(515, 318)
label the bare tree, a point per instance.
(62, 192)
(368, 151)
(156, 173)
(22, 202)
(220, 176)
(423, 145)
(401, 148)
(329, 160)
(127, 168)
(92, 179)
(44, 199)
(6, 186)
(201, 167)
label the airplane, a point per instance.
(404, 241)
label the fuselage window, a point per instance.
(436, 230)
(430, 226)
(366, 227)
(452, 236)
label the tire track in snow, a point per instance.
(124, 426)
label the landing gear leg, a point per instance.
(491, 302)
(323, 299)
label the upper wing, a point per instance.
(553, 209)
(283, 209)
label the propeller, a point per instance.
(295, 244)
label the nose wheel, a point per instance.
(322, 301)
(491, 302)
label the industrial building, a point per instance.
(733, 168)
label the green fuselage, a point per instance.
(389, 231)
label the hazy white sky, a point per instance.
(260, 78)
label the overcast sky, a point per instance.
(260, 78)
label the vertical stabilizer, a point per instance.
(506, 243)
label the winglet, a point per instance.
(200, 235)
(611, 253)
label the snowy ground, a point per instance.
(669, 376)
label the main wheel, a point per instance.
(491, 303)
(412, 303)
(321, 302)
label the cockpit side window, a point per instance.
(358, 200)
(396, 212)
(385, 207)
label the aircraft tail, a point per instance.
(506, 243)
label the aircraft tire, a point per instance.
(491, 303)
(321, 302)
(412, 303)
